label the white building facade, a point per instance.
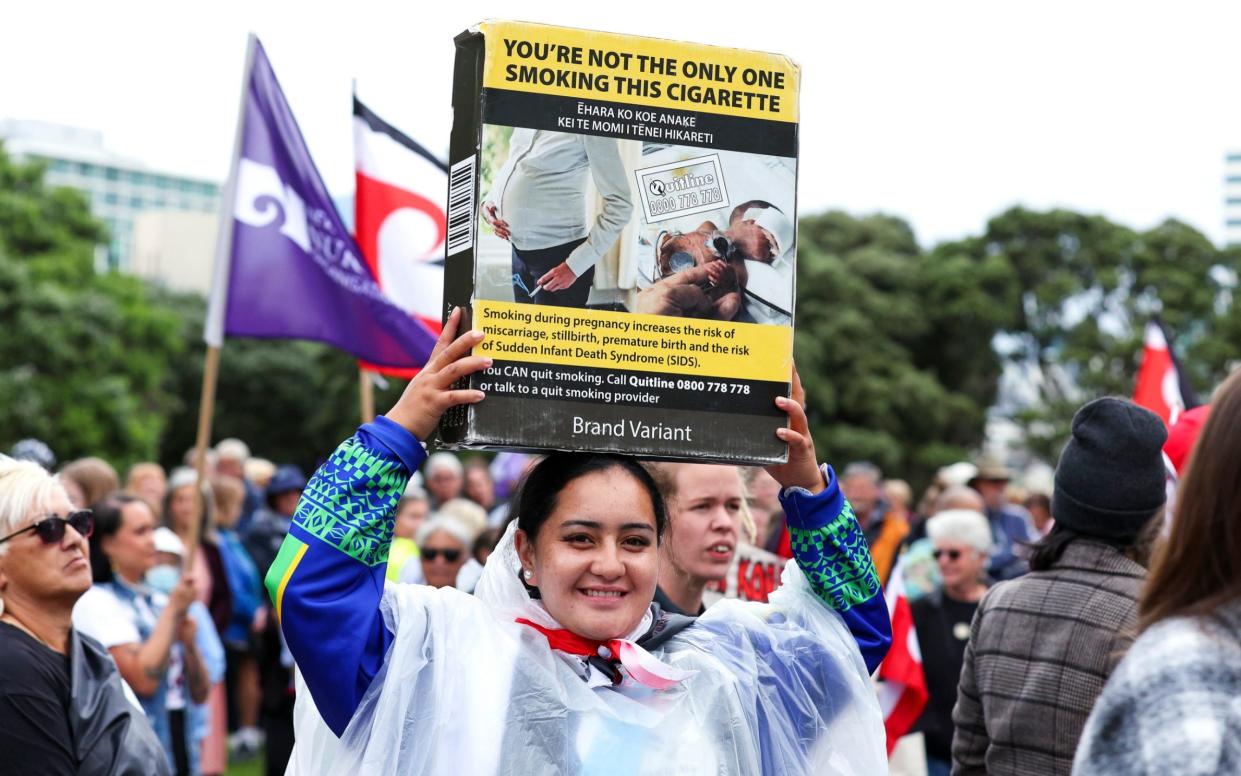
(119, 189)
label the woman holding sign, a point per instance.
(560, 663)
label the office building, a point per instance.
(1232, 198)
(119, 189)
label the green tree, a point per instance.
(83, 357)
(1087, 287)
(894, 344)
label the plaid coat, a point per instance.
(1041, 648)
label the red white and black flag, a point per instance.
(1161, 384)
(399, 217)
(902, 682)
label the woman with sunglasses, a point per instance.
(442, 550)
(962, 542)
(561, 662)
(148, 633)
(63, 707)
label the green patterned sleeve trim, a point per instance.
(836, 561)
(350, 502)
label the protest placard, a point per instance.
(621, 224)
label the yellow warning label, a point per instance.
(648, 343)
(641, 71)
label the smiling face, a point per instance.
(704, 521)
(34, 571)
(595, 560)
(960, 565)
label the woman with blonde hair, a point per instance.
(1171, 706)
(63, 707)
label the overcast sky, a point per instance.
(943, 113)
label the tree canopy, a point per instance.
(1086, 288)
(84, 357)
(893, 343)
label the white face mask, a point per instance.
(163, 578)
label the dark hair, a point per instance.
(108, 520)
(1198, 569)
(487, 540)
(540, 491)
(1046, 551)
(1040, 500)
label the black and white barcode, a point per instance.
(461, 206)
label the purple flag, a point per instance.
(286, 266)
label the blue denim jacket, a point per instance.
(208, 643)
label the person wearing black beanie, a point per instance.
(1111, 476)
(1042, 646)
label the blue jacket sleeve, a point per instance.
(328, 578)
(830, 547)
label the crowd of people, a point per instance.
(201, 654)
(1092, 629)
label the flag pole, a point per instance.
(366, 389)
(213, 327)
(366, 386)
(206, 412)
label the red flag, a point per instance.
(902, 684)
(1159, 381)
(399, 218)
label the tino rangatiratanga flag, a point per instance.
(399, 217)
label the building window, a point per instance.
(135, 202)
(111, 173)
(110, 198)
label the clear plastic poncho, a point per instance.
(777, 688)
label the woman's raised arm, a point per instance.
(327, 580)
(827, 542)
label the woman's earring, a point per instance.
(528, 574)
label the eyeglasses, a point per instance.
(431, 553)
(952, 554)
(51, 529)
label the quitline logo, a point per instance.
(682, 188)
